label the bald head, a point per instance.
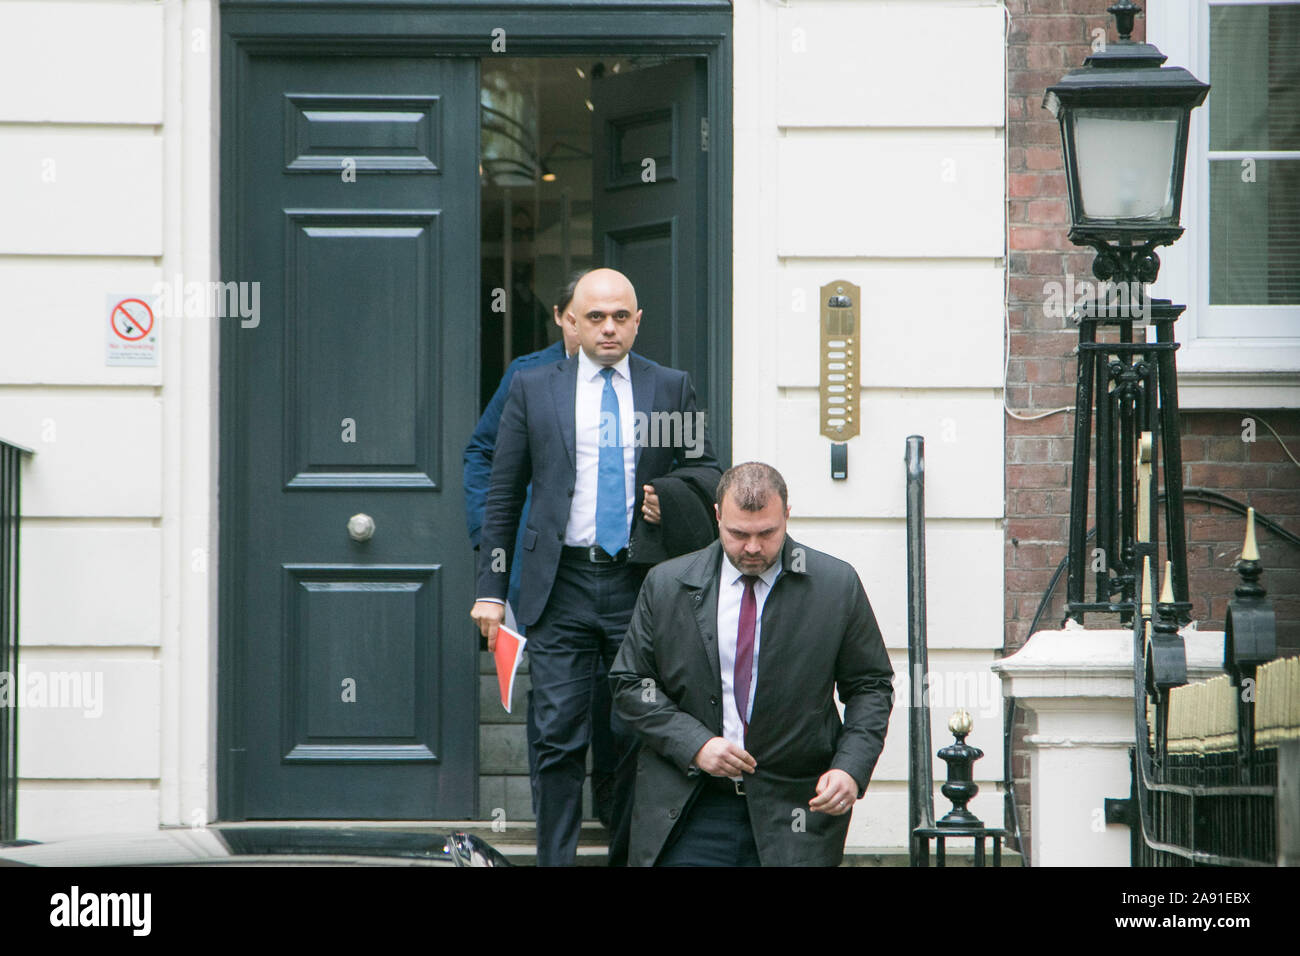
(605, 316)
(605, 283)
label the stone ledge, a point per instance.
(1076, 662)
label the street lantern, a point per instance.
(1124, 121)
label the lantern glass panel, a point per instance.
(1126, 162)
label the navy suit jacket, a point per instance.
(482, 444)
(536, 443)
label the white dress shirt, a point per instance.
(581, 529)
(731, 589)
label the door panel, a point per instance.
(357, 676)
(345, 367)
(653, 231)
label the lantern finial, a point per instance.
(1124, 12)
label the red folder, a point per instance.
(509, 651)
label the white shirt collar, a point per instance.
(730, 575)
(589, 371)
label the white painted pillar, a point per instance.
(1078, 686)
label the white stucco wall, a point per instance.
(857, 159)
(108, 185)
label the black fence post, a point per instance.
(10, 513)
(1288, 803)
(920, 770)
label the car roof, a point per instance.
(257, 845)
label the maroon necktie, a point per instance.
(745, 650)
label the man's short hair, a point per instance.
(750, 484)
(564, 295)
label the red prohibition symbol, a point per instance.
(132, 319)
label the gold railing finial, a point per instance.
(1249, 550)
(1146, 445)
(1146, 585)
(1167, 592)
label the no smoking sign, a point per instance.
(132, 334)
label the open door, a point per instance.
(649, 172)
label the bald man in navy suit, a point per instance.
(577, 429)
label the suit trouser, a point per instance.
(714, 830)
(570, 647)
(604, 757)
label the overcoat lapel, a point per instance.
(700, 577)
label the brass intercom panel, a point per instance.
(840, 308)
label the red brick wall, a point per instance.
(1048, 38)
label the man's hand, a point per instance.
(488, 615)
(721, 758)
(650, 505)
(836, 793)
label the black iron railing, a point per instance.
(1213, 784)
(10, 511)
(960, 757)
(920, 771)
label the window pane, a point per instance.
(1255, 232)
(1255, 76)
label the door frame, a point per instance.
(459, 28)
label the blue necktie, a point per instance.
(611, 490)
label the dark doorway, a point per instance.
(585, 161)
(593, 161)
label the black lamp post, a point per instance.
(1124, 121)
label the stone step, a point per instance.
(517, 842)
(595, 854)
(897, 856)
(503, 750)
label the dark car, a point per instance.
(257, 846)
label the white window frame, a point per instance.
(1215, 370)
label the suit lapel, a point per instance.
(700, 577)
(564, 390)
(643, 398)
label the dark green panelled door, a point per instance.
(356, 208)
(649, 204)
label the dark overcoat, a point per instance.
(818, 635)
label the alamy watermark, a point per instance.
(66, 690)
(657, 430)
(207, 300)
(129, 910)
(1085, 298)
(978, 692)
